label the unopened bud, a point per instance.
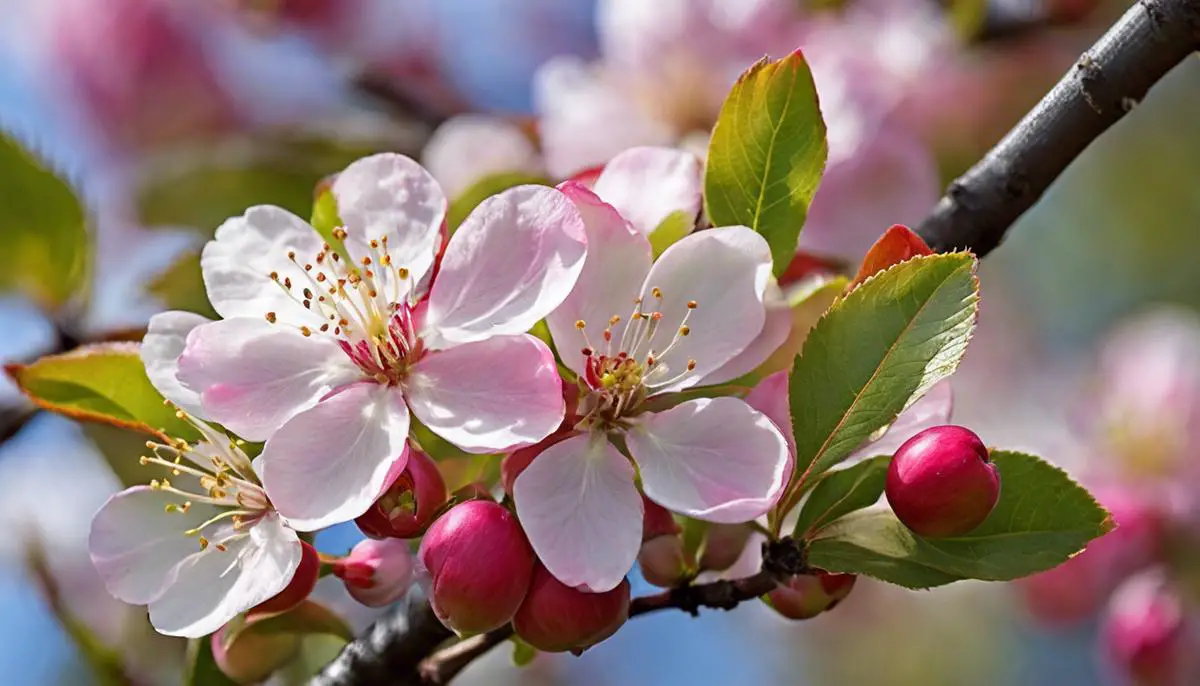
(664, 562)
(299, 588)
(377, 573)
(251, 657)
(723, 545)
(1144, 632)
(409, 503)
(556, 618)
(805, 596)
(942, 483)
(479, 563)
(657, 521)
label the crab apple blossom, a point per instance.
(480, 565)
(200, 545)
(326, 350)
(409, 502)
(556, 618)
(377, 573)
(1145, 632)
(941, 482)
(632, 331)
(805, 596)
(251, 659)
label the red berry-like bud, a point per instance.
(1145, 631)
(805, 596)
(376, 573)
(299, 588)
(557, 618)
(657, 521)
(251, 657)
(409, 502)
(723, 545)
(941, 482)
(480, 565)
(664, 562)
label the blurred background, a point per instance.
(168, 116)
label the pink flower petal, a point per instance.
(715, 459)
(725, 271)
(489, 396)
(617, 263)
(390, 195)
(328, 464)
(933, 409)
(771, 398)
(245, 251)
(137, 546)
(514, 259)
(469, 147)
(581, 510)
(776, 328)
(647, 185)
(252, 376)
(165, 338)
(216, 586)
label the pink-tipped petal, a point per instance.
(252, 376)
(715, 459)
(775, 330)
(771, 398)
(617, 263)
(933, 409)
(217, 585)
(390, 195)
(725, 272)
(581, 510)
(137, 546)
(512, 261)
(166, 336)
(328, 464)
(489, 396)
(648, 184)
(238, 262)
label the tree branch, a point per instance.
(1103, 85)
(979, 207)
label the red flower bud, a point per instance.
(480, 564)
(723, 545)
(376, 573)
(1145, 632)
(251, 657)
(299, 588)
(657, 521)
(664, 562)
(941, 482)
(807, 595)
(409, 502)
(557, 618)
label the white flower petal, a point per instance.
(489, 396)
(216, 586)
(137, 546)
(715, 459)
(245, 251)
(581, 510)
(512, 261)
(166, 336)
(253, 376)
(617, 263)
(391, 195)
(648, 184)
(328, 464)
(775, 330)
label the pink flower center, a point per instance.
(617, 378)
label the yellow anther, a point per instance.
(339, 234)
(271, 317)
(291, 254)
(580, 324)
(656, 292)
(691, 304)
(684, 330)
(691, 365)
(402, 273)
(306, 331)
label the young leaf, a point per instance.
(876, 352)
(483, 189)
(767, 154)
(842, 492)
(1041, 520)
(670, 230)
(101, 383)
(522, 652)
(896, 245)
(44, 253)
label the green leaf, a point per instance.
(181, 286)
(45, 250)
(767, 154)
(483, 189)
(842, 492)
(1041, 520)
(670, 230)
(200, 669)
(101, 383)
(877, 351)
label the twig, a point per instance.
(1105, 83)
